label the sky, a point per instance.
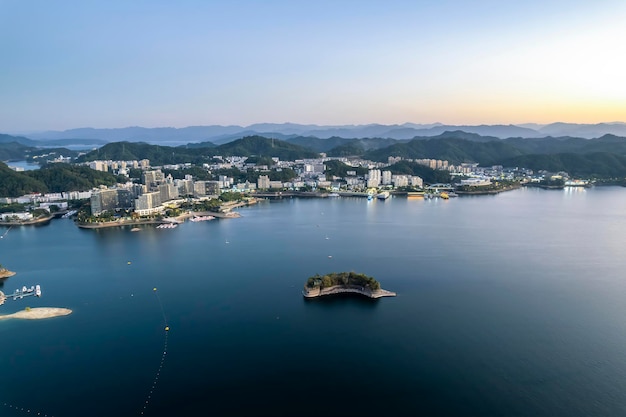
(106, 64)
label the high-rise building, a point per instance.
(103, 200)
(386, 177)
(263, 183)
(373, 178)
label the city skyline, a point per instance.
(154, 64)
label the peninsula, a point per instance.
(5, 273)
(344, 282)
(38, 313)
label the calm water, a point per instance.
(26, 166)
(512, 305)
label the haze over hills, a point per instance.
(223, 134)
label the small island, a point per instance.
(5, 273)
(38, 313)
(344, 282)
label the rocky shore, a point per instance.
(345, 289)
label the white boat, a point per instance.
(202, 218)
(383, 195)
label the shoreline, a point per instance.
(346, 289)
(27, 222)
(488, 192)
(167, 220)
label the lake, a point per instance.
(508, 305)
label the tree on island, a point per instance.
(343, 278)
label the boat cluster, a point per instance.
(24, 292)
(167, 226)
(202, 218)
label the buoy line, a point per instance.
(26, 410)
(155, 381)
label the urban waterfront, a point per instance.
(508, 305)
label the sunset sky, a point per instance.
(68, 64)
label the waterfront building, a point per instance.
(168, 192)
(476, 181)
(103, 200)
(276, 185)
(373, 178)
(185, 187)
(386, 177)
(15, 216)
(125, 199)
(148, 203)
(400, 180)
(417, 182)
(263, 183)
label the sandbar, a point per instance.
(38, 313)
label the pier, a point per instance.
(19, 294)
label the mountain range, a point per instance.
(223, 134)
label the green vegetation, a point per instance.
(349, 149)
(429, 175)
(257, 146)
(53, 178)
(66, 177)
(339, 169)
(592, 165)
(261, 146)
(15, 184)
(157, 154)
(552, 183)
(13, 151)
(13, 208)
(342, 278)
(453, 150)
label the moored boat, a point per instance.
(383, 195)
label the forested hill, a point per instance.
(160, 155)
(453, 150)
(17, 139)
(261, 146)
(588, 165)
(15, 184)
(54, 178)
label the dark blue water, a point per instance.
(510, 305)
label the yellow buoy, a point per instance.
(154, 289)
(128, 262)
(167, 328)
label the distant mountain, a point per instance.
(284, 131)
(160, 155)
(222, 134)
(17, 139)
(583, 130)
(13, 151)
